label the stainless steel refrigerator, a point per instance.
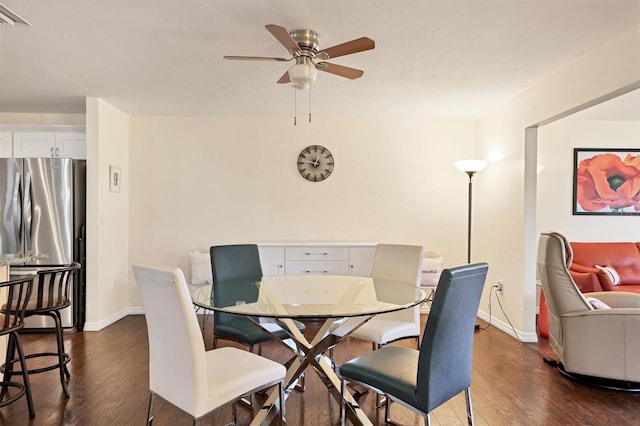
(42, 202)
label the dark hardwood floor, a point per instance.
(511, 386)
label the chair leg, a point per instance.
(387, 411)
(152, 398)
(64, 371)
(8, 366)
(25, 373)
(467, 395)
(427, 419)
(282, 402)
(343, 402)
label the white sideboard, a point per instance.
(317, 258)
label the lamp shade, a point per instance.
(302, 75)
(472, 166)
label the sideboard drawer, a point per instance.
(320, 253)
(317, 267)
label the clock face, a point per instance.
(315, 163)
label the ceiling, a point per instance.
(433, 59)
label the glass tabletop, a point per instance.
(308, 296)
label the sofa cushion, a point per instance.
(628, 288)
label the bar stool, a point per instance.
(11, 320)
(50, 295)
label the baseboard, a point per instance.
(506, 327)
(106, 322)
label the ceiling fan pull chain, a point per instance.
(295, 106)
(309, 104)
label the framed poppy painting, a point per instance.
(606, 181)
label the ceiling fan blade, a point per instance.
(340, 70)
(283, 36)
(255, 58)
(285, 78)
(358, 45)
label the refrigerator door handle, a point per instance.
(27, 213)
(17, 214)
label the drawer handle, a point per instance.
(316, 254)
(316, 272)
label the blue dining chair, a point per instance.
(239, 265)
(423, 379)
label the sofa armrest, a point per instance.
(602, 343)
(617, 299)
(587, 281)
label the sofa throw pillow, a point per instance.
(610, 273)
(597, 303)
(200, 267)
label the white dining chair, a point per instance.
(401, 263)
(180, 370)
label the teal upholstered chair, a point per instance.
(423, 379)
(236, 270)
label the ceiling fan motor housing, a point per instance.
(307, 40)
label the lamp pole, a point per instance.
(470, 174)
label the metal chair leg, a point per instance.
(64, 371)
(25, 373)
(343, 402)
(152, 398)
(467, 396)
(282, 402)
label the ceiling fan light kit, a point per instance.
(302, 74)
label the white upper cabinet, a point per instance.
(50, 144)
(6, 144)
(72, 145)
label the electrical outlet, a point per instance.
(499, 284)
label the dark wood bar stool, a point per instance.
(11, 321)
(51, 289)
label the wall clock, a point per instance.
(315, 163)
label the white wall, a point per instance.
(42, 119)
(555, 192)
(108, 284)
(506, 232)
(201, 181)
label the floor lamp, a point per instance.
(470, 167)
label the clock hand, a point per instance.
(315, 163)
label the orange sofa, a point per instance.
(586, 270)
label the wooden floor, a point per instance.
(511, 386)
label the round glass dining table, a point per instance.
(341, 303)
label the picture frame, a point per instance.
(602, 181)
(115, 178)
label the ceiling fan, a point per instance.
(303, 48)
